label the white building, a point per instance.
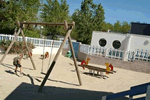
(126, 42)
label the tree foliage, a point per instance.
(107, 26)
(17, 10)
(122, 27)
(89, 18)
(55, 12)
(117, 26)
(125, 27)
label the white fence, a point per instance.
(91, 50)
(139, 55)
(36, 41)
(114, 53)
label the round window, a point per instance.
(102, 42)
(116, 44)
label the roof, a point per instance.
(138, 35)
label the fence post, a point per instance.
(146, 55)
(106, 53)
(26, 38)
(6, 37)
(91, 50)
(88, 50)
(51, 44)
(39, 42)
(84, 48)
(2, 37)
(134, 55)
(125, 55)
(10, 37)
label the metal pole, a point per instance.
(43, 56)
(10, 45)
(55, 59)
(50, 55)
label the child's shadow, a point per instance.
(9, 71)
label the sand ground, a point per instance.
(63, 77)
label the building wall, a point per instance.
(139, 42)
(129, 42)
(82, 56)
(109, 37)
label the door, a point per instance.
(75, 47)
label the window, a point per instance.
(116, 44)
(102, 42)
(146, 42)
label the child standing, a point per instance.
(17, 63)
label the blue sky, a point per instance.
(122, 10)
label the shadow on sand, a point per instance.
(27, 91)
(95, 75)
(30, 77)
(10, 66)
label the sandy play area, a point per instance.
(63, 82)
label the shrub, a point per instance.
(18, 46)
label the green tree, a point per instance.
(107, 26)
(122, 27)
(117, 26)
(125, 27)
(55, 12)
(17, 10)
(89, 18)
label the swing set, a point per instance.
(68, 28)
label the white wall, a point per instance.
(138, 42)
(110, 37)
(39, 50)
(129, 42)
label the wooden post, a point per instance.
(10, 45)
(73, 54)
(55, 59)
(27, 47)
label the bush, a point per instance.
(17, 48)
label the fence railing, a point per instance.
(100, 51)
(139, 55)
(114, 53)
(36, 41)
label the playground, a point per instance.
(63, 82)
